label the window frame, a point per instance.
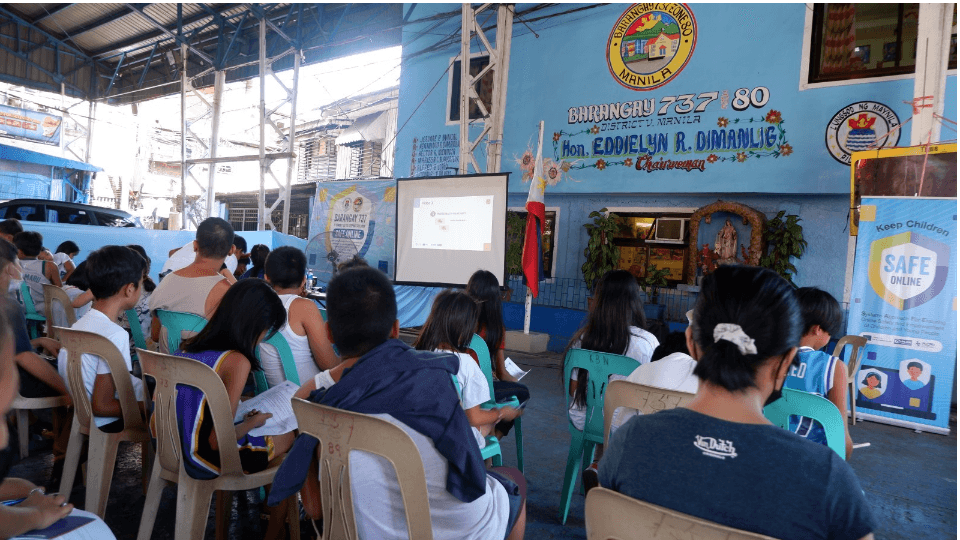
(805, 62)
(668, 211)
(450, 85)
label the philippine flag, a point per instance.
(532, 247)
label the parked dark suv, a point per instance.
(66, 212)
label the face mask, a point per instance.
(775, 395)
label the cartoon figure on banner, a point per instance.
(914, 373)
(872, 383)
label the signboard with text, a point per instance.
(904, 300)
(30, 125)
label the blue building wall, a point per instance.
(737, 46)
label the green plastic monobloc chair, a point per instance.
(278, 342)
(139, 340)
(479, 346)
(599, 367)
(799, 403)
(177, 322)
(34, 319)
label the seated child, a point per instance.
(248, 313)
(413, 390)
(63, 258)
(258, 258)
(819, 373)
(77, 288)
(36, 273)
(144, 318)
(115, 274)
(304, 329)
(449, 329)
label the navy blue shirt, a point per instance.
(758, 478)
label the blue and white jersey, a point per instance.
(813, 375)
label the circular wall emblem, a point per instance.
(650, 44)
(865, 125)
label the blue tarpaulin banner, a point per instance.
(904, 300)
(30, 125)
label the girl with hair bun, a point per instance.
(719, 458)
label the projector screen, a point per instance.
(450, 227)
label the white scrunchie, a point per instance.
(734, 334)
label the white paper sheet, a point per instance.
(275, 401)
(513, 369)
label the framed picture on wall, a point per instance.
(890, 52)
(862, 52)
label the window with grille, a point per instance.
(365, 159)
(317, 160)
(484, 88)
(859, 41)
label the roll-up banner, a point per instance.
(904, 300)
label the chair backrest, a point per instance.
(614, 516)
(177, 322)
(77, 343)
(278, 342)
(599, 367)
(27, 298)
(646, 399)
(340, 432)
(796, 402)
(169, 372)
(853, 362)
(479, 347)
(136, 331)
(55, 295)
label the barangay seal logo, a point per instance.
(650, 44)
(908, 269)
(865, 125)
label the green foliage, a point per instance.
(784, 239)
(602, 256)
(516, 225)
(653, 279)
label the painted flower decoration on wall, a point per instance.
(551, 171)
(565, 166)
(786, 149)
(722, 122)
(773, 117)
(628, 162)
(741, 157)
(556, 136)
(594, 130)
(601, 164)
(712, 158)
(526, 163)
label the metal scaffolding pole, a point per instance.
(291, 141)
(499, 65)
(219, 80)
(183, 134)
(261, 197)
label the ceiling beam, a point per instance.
(50, 13)
(4, 10)
(115, 48)
(93, 25)
(163, 29)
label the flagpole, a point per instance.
(528, 303)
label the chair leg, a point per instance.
(193, 507)
(152, 503)
(222, 514)
(293, 518)
(853, 404)
(518, 433)
(102, 460)
(586, 458)
(72, 460)
(569, 480)
(23, 432)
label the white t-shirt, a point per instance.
(640, 348)
(98, 323)
(672, 372)
(60, 259)
(180, 259)
(379, 506)
(474, 389)
(59, 317)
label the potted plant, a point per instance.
(784, 238)
(650, 282)
(515, 230)
(602, 256)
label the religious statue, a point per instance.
(726, 244)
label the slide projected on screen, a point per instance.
(457, 223)
(450, 227)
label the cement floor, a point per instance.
(910, 478)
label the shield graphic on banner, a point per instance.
(908, 269)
